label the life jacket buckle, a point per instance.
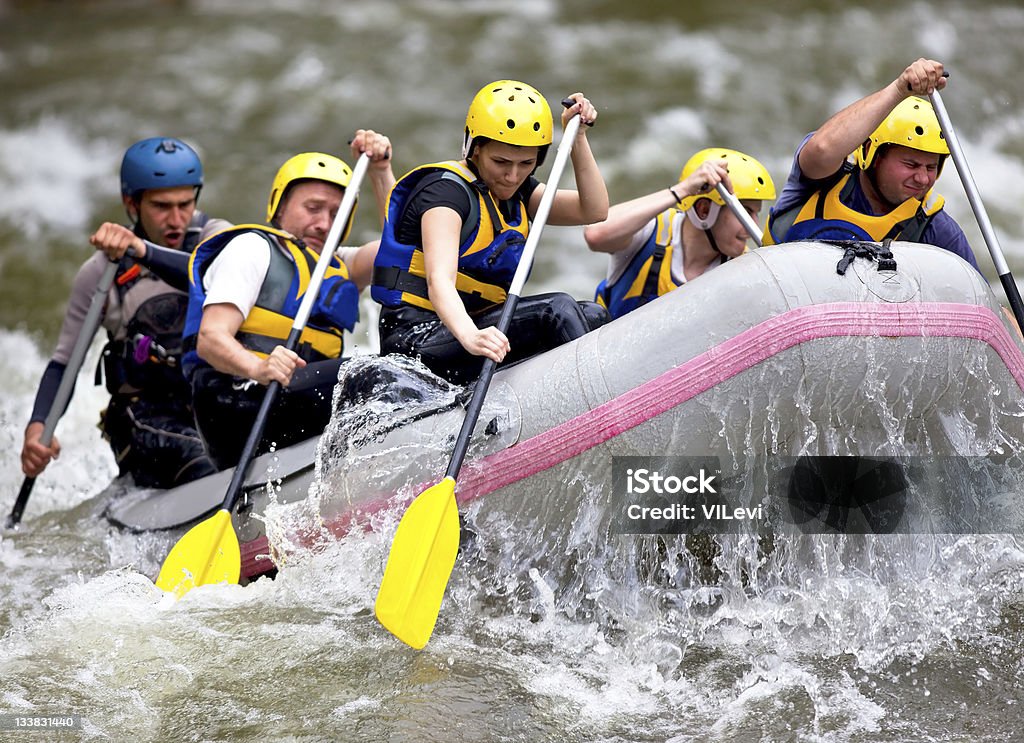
(146, 349)
(881, 254)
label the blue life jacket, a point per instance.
(489, 252)
(649, 273)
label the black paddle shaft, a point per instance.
(14, 517)
(1013, 296)
(234, 491)
(476, 402)
(980, 213)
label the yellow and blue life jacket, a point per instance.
(825, 216)
(270, 321)
(490, 247)
(648, 275)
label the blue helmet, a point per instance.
(159, 162)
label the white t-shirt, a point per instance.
(237, 274)
(620, 261)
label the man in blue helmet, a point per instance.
(149, 421)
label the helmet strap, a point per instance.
(469, 145)
(707, 222)
(275, 220)
(139, 230)
(132, 208)
(714, 245)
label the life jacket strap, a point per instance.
(873, 252)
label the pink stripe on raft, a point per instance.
(714, 366)
(726, 360)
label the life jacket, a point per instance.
(825, 216)
(144, 348)
(648, 275)
(490, 247)
(270, 322)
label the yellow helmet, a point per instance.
(511, 112)
(306, 166)
(912, 124)
(750, 179)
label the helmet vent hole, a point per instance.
(159, 173)
(536, 126)
(920, 130)
(510, 124)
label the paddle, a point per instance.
(1005, 277)
(741, 214)
(209, 551)
(427, 539)
(67, 382)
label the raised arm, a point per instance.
(626, 219)
(378, 147)
(589, 202)
(825, 151)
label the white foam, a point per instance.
(50, 178)
(86, 464)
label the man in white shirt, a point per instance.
(246, 286)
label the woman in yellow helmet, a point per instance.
(455, 233)
(660, 241)
(898, 148)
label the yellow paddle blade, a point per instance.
(208, 553)
(420, 564)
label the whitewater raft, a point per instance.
(773, 359)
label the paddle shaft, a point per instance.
(741, 214)
(234, 490)
(67, 381)
(980, 213)
(518, 281)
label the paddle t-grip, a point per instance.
(569, 103)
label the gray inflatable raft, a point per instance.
(770, 358)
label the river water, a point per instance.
(884, 639)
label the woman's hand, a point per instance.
(583, 107)
(489, 342)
